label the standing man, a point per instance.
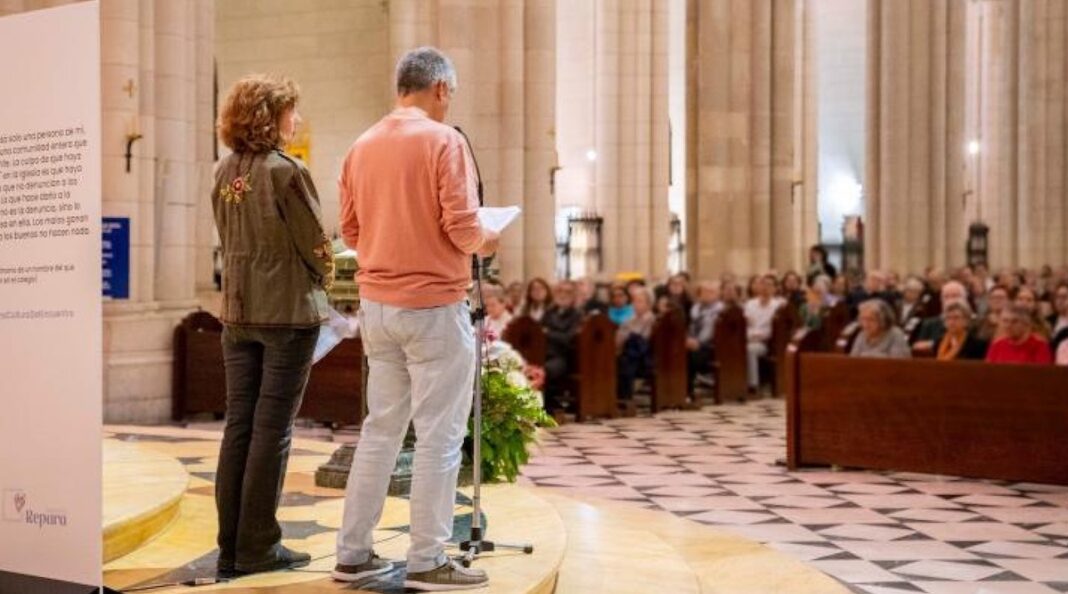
(409, 207)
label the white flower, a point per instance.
(517, 379)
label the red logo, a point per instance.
(20, 502)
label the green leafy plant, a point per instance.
(512, 411)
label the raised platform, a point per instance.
(142, 493)
(582, 546)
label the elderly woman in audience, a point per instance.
(933, 327)
(561, 323)
(759, 311)
(497, 315)
(538, 300)
(619, 308)
(632, 343)
(701, 330)
(959, 342)
(911, 298)
(1020, 344)
(1027, 297)
(879, 336)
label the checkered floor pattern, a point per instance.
(879, 533)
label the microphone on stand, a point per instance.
(488, 260)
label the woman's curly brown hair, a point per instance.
(248, 120)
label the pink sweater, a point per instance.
(409, 207)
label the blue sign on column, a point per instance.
(116, 257)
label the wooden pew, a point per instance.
(729, 345)
(670, 359)
(960, 418)
(784, 323)
(335, 387)
(594, 381)
(198, 383)
(835, 320)
(528, 338)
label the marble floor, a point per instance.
(879, 533)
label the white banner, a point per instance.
(51, 381)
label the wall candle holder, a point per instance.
(131, 138)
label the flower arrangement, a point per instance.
(512, 411)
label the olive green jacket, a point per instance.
(277, 261)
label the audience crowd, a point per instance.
(1011, 316)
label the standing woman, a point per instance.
(277, 263)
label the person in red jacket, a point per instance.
(1020, 344)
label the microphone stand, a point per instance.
(477, 544)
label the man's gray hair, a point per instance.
(422, 68)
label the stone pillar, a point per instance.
(746, 141)
(631, 134)
(915, 171)
(154, 46)
(539, 123)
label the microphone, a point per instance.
(478, 171)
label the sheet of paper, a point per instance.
(334, 330)
(496, 218)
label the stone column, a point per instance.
(154, 45)
(539, 123)
(914, 175)
(747, 217)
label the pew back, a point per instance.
(669, 362)
(958, 418)
(784, 323)
(729, 343)
(527, 337)
(835, 320)
(595, 378)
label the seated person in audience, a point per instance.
(1020, 344)
(759, 310)
(997, 299)
(634, 352)
(678, 291)
(561, 323)
(909, 305)
(730, 294)
(815, 303)
(515, 297)
(602, 295)
(620, 310)
(497, 314)
(663, 305)
(879, 335)
(1058, 321)
(538, 300)
(933, 327)
(840, 287)
(874, 287)
(959, 341)
(1062, 353)
(701, 330)
(1027, 297)
(793, 290)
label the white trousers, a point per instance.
(755, 350)
(422, 369)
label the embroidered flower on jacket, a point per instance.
(235, 192)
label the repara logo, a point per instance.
(17, 509)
